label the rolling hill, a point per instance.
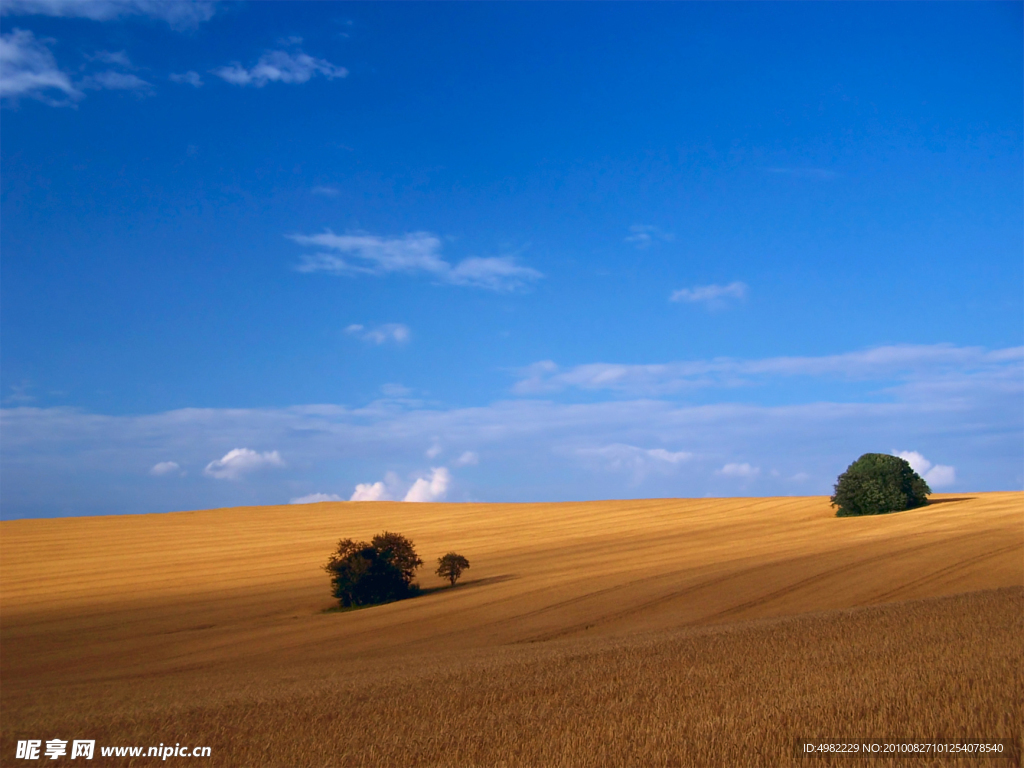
(666, 631)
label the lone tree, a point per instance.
(451, 566)
(876, 484)
(376, 572)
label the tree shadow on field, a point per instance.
(933, 502)
(423, 591)
(469, 584)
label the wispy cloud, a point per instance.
(117, 58)
(711, 295)
(327, 191)
(742, 471)
(179, 14)
(241, 461)
(920, 366)
(28, 69)
(417, 252)
(619, 457)
(20, 394)
(116, 81)
(315, 498)
(190, 78)
(643, 235)
(393, 389)
(280, 67)
(382, 334)
(468, 458)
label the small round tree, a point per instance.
(451, 566)
(876, 484)
(368, 573)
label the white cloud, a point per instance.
(940, 476)
(936, 475)
(180, 14)
(745, 471)
(416, 252)
(27, 68)
(434, 488)
(395, 332)
(370, 492)
(468, 458)
(326, 190)
(711, 295)
(280, 67)
(642, 235)
(434, 451)
(164, 468)
(241, 461)
(191, 78)
(315, 498)
(115, 81)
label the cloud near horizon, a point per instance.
(640, 462)
(743, 471)
(936, 475)
(966, 404)
(413, 253)
(431, 488)
(316, 498)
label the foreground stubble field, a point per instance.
(655, 632)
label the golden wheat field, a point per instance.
(654, 632)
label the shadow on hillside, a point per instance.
(423, 591)
(469, 584)
(932, 502)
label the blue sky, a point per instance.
(262, 252)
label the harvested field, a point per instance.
(655, 632)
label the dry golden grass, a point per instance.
(658, 632)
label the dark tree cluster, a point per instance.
(876, 484)
(382, 570)
(379, 571)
